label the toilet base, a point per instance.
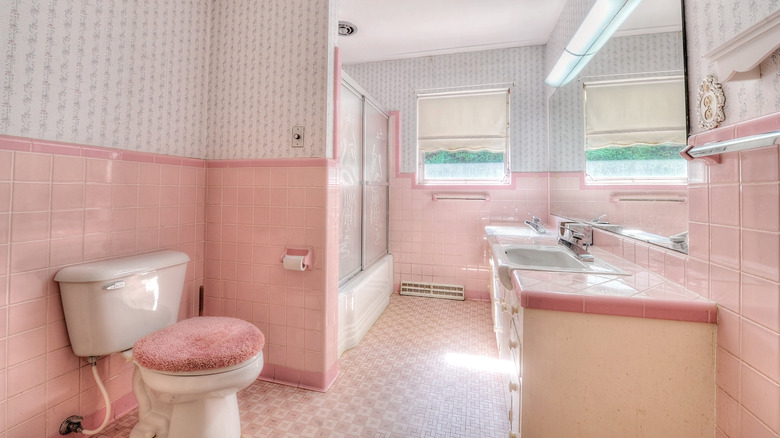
(208, 417)
(195, 410)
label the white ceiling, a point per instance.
(397, 29)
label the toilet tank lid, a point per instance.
(120, 267)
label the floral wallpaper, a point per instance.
(205, 79)
(271, 69)
(393, 85)
(128, 75)
(710, 24)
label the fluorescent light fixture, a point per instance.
(603, 19)
(737, 144)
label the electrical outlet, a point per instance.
(297, 136)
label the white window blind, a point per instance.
(474, 121)
(630, 112)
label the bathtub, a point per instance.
(362, 299)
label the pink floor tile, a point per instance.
(408, 377)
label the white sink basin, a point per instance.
(555, 258)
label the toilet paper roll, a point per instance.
(294, 263)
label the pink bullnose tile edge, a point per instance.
(637, 306)
(69, 149)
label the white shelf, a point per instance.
(738, 58)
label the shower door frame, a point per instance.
(348, 84)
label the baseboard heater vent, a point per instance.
(433, 290)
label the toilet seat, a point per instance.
(200, 346)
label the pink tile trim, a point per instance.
(272, 162)
(477, 295)
(638, 307)
(15, 144)
(169, 159)
(55, 148)
(552, 301)
(319, 381)
(758, 125)
(611, 305)
(718, 134)
(97, 152)
(681, 310)
(191, 162)
(68, 149)
(138, 156)
(217, 164)
(692, 310)
(395, 122)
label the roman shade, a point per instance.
(630, 112)
(464, 121)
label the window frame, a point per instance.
(636, 180)
(420, 175)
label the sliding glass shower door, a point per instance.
(364, 182)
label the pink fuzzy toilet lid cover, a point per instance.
(201, 343)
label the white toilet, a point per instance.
(186, 374)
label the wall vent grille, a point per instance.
(433, 290)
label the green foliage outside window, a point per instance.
(450, 157)
(639, 152)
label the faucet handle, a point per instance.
(598, 218)
(535, 219)
(574, 234)
(679, 238)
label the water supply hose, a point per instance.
(73, 423)
(102, 388)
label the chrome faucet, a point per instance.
(679, 238)
(680, 241)
(536, 224)
(576, 237)
(597, 220)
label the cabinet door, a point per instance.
(516, 350)
(515, 411)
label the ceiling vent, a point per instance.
(346, 28)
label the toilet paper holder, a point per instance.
(298, 252)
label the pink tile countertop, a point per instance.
(642, 294)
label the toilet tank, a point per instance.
(110, 304)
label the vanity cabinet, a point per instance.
(577, 374)
(507, 323)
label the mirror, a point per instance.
(648, 45)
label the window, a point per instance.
(634, 131)
(463, 138)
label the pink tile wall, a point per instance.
(735, 231)
(444, 241)
(254, 210)
(62, 204)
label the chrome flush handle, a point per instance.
(114, 286)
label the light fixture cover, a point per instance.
(603, 19)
